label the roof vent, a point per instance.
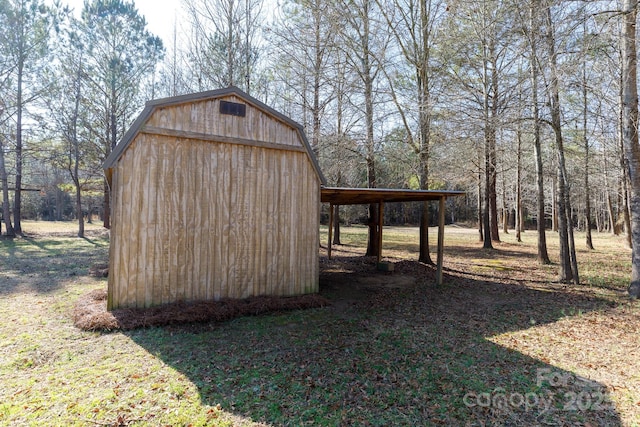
(233, 108)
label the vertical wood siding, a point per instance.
(200, 220)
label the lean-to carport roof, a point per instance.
(365, 196)
(380, 196)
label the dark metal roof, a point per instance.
(153, 105)
(362, 196)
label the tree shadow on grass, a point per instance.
(42, 264)
(411, 355)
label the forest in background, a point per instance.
(520, 104)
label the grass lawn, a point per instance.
(500, 343)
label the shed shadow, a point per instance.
(387, 355)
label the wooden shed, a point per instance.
(214, 195)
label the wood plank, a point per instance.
(236, 200)
(135, 295)
(114, 246)
(225, 199)
(148, 226)
(206, 236)
(213, 237)
(158, 206)
(281, 213)
(261, 210)
(249, 230)
(271, 224)
(193, 226)
(292, 229)
(175, 211)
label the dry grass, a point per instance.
(391, 349)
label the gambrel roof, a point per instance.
(153, 106)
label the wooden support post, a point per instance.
(330, 230)
(380, 222)
(440, 241)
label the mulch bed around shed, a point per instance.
(90, 312)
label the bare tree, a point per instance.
(224, 45)
(568, 262)
(311, 68)
(365, 42)
(630, 131)
(533, 33)
(414, 25)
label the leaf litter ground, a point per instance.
(500, 343)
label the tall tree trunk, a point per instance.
(554, 205)
(519, 210)
(505, 209)
(425, 256)
(543, 256)
(491, 137)
(17, 198)
(587, 191)
(336, 225)
(610, 214)
(373, 248)
(625, 171)
(231, 48)
(424, 94)
(624, 199)
(630, 135)
(489, 216)
(486, 221)
(480, 205)
(568, 262)
(627, 212)
(6, 210)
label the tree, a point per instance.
(365, 43)
(532, 33)
(25, 41)
(120, 53)
(310, 68)
(68, 116)
(224, 48)
(630, 131)
(585, 119)
(482, 66)
(414, 26)
(6, 209)
(568, 262)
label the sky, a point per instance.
(160, 15)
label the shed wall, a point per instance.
(201, 220)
